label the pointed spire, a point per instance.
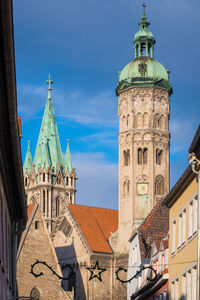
(28, 160)
(68, 159)
(144, 19)
(48, 136)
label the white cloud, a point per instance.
(98, 180)
(75, 106)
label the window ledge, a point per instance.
(190, 238)
(181, 247)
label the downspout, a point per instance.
(195, 164)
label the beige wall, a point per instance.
(187, 254)
(138, 110)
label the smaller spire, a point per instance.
(28, 160)
(68, 159)
(49, 82)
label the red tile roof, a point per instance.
(165, 243)
(29, 210)
(154, 227)
(96, 224)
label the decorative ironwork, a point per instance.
(134, 276)
(71, 273)
(96, 272)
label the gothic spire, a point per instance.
(48, 147)
(28, 160)
(68, 159)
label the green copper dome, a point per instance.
(153, 69)
(144, 70)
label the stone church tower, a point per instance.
(143, 92)
(49, 180)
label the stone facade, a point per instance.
(36, 245)
(143, 156)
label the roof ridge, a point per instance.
(93, 207)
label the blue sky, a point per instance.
(84, 44)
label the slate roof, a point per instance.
(96, 224)
(154, 227)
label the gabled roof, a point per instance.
(154, 227)
(48, 149)
(96, 225)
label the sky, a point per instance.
(83, 44)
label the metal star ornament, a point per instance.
(96, 272)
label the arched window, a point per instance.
(43, 202)
(139, 120)
(26, 181)
(124, 188)
(159, 185)
(128, 187)
(128, 157)
(162, 122)
(139, 156)
(57, 206)
(158, 156)
(43, 177)
(145, 120)
(47, 203)
(127, 120)
(71, 198)
(157, 121)
(145, 151)
(35, 294)
(67, 180)
(71, 178)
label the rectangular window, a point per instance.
(176, 290)
(173, 236)
(192, 216)
(183, 286)
(194, 282)
(47, 203)
(43, 202)
(181, 227)
(189, 285)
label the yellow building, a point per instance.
(182, 202)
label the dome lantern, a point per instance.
(144, 40)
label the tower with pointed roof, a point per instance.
(143, 92)
(49, 179)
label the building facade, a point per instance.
(183, 204)
(12, 197)
(143, 107)
(50, 179)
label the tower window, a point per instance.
(139, 156)
(158, 156)
(35, 294)
(67, 180)
(126, 187)
(71, 181)
(159, 185)
(26, 181)
(43, 178)
(126, 157)
(43, 202)
(36, 224)
(47, 203)
(71, 198)
(57, 206)
(142, 156)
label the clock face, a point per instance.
(142, 188)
